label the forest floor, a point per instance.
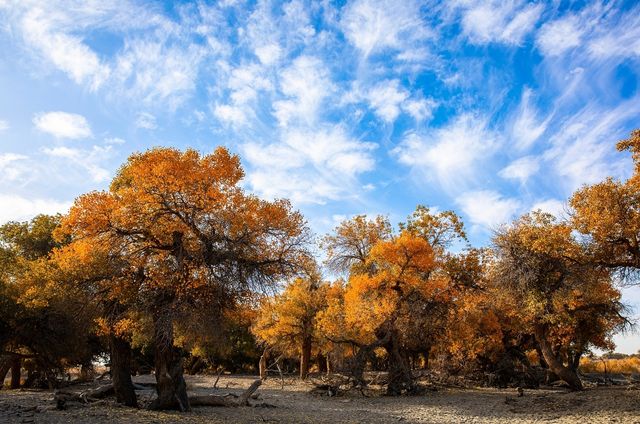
(292, 402)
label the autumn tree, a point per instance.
(287, 321)
(559, 296)
(397, 292)
(42, 322)
(608, 214)
(188, 237)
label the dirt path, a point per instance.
(295, 405)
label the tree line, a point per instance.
(176, 267)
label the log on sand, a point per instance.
(61, 397)
(226, 400)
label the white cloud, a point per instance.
(114, 140)
(581, 149)
(527, 127)
(494, 21)
(63, 125)
(146, 120)
(230, 114)
(66, 52)
(18, 208)
(556, 37)
(306, 83)
(269, 54)
(13, 167)
(90, 160)
(4, 125)
(450, 153)
(309, 165)
(521, 169)
(376, 25)
(552, 206)
(155, 69)
(385, 98)
(488, 208)
(420, 109)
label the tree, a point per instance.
(42, 323)
(349, 245)
(287, 322)
(188, 237)
(608, 214)
(541, 266)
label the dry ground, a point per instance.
(294, 404)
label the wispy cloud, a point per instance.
(146, 120)
(496, 21)
(451, 153)
(378, 25)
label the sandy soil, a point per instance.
(294, 404)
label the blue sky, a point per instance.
(491, 109)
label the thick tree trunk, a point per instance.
(16, 366)
(121, 370)
(305, 357)
(322, 363)
(5, 366)
(400, 377)
(171, 387)
(555, 365)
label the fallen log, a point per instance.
(61, 397)
(226, 400)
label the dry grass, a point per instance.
(629, 365)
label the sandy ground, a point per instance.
(294, 404)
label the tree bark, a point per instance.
(5, 366)
(16, 366)
(262, 366)
(121, 370)
(171, 387)
(322, 363)
(400, 377)
(305, 357)
(555, 365)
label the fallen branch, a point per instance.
(61, 397)
(226, 400)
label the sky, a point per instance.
(490, 109)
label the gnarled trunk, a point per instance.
(555, 365)
(121, 370)
(16, 366)
(400, 377)
(322, 363)
(5, 366)
(262, 365)
(171, 387)
(305, 357)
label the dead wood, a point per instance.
(226, 400)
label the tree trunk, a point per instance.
(575, 361)
(16, 366)
(322, 363)
(171, 387)
(5, 366)
(400, 377)
(262, 366)
(556, 366)
(305, 357)
(121, 370)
